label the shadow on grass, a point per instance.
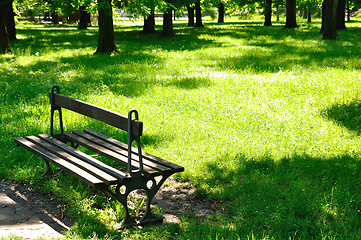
(86, 204)
(347, 115)
(118, 73)
(38, 38)
(298, 197)
(190, 83)
(264, 50)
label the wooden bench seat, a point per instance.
(140, 168)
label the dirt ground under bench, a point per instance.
(32, 215)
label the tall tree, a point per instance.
(106, 43)
(277, 4)
(291, 14)
(309, 6)
(4, 39)
(198, 14)
(323, 16)
(341, 15)
(268, 13)
(55, 18)
(190, 10)
(221, 12)
(54, 7)
(330, 31)
(149, 23)
(167, 30)
(9, 19)
(83, 17)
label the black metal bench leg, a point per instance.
(140, 184)
(151, 192)
(48, 169)
(122, 198)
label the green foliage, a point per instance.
(265, 121)
(30, 7)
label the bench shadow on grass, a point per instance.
(297, 197)
(347, 115)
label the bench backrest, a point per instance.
(133, 126)
(95, 112)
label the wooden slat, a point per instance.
(107, 153)
(108, 179)
(108, 169)
(121, 151)
(46, 155)
(173, 166)
(99, 113)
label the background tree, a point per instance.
(268, 13)
(145, 8)
(106, 43)
(277, 4)
(31, 8)
(323, 16)
(291, 14)
(10, 19)
(149, 23)
(54, 9)
(190, 10)
(149, 15)
(221, 12)
(329, 19)
(84, 17)
(198, 10)
(309, 6)
(4, 39)
(348, 9)
(189, 4)
(167, 30)
(341, 15)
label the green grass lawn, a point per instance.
(266, 122)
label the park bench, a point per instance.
(141, 170)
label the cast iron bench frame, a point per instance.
(144, 171)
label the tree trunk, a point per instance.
(149, 23)
(106, 43)
(291, 14)
(83, 19)
(268, 13)
(190, 10)
(198, 14)
(9, 20)
(221, 12)
(305, 13)
(340, 15)
(324, 6)
(4, 39)
(348, 11)
(309, 15)
(55, 18)
(330, 20)
(167, 24)
(278, 13)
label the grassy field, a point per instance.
(266, 122)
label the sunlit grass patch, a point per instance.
(264, 120)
